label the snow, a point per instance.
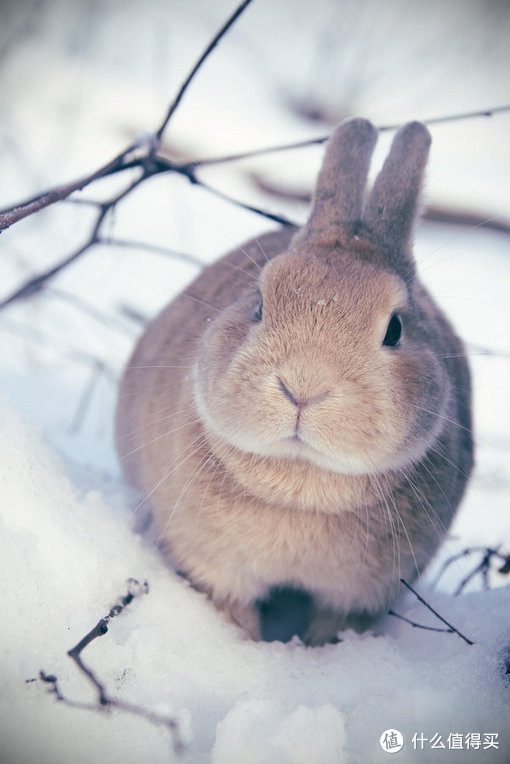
(67, 545)
(66, 557)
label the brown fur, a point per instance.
(213, 398)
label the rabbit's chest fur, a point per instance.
(338, 537)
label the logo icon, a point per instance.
(391, 741)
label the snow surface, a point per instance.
(78, 85)
(66, 557)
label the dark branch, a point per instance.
(324, 138)
(483, 567)
(175, 103)
(154, 167)
(86, 397)
(74, 354)
(35, 283)
(105, 701)
(249, 207)
(129, 708)
(419, 625)
(154, 248)
(76, 302)
(150, 163)
(443, 620)
(101, 627)
(59, 193)
(12, 215)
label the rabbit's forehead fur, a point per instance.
(336, 292)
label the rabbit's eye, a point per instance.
(257, 316)
(393, 332)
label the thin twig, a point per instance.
(419, 625)
(488, 555)
(188, 170)
(35, 283)
(249, 207)
(135, 589)
(11, 215)
(323, 138)
(151, 164)
(18, 212)
(154, 248)
(483, 567)
(108, 320)
(104, 700)
(86, 398)
(42, 338)
(443, 620)
(175, 103)
(129, 708)
(133, 314)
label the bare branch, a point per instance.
(483, 567)
(135, 589)
(12, 215)
(188, 170)
(104, 700)
(130, 708)
(150, 163)
(105, 319)
(133, 314)
(435, 214)
(249, 207)
(30, 332)
(419, 625)
(154, 248)
(35, 283)
(443, 620)
(324, 138)
(175, 103)
(86, 398)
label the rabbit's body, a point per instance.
(289, 440)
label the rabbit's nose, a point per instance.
(299, 401)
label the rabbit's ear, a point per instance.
(338, 195)
(392, 205)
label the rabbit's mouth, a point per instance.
(300, 444)
(297, 447)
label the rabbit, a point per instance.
(300, 415)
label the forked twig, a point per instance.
(483, 567)
(450, 629)
(420, 625)
(146, 162)
(104, 700)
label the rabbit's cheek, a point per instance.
(425, 394)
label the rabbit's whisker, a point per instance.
(170, 472)
(149, 422)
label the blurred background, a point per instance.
(79, 81)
